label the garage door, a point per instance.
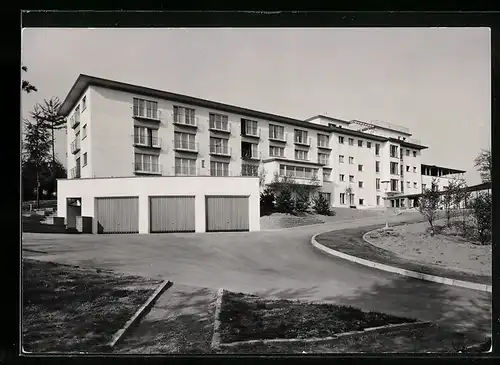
(227, 213)
(171, 214)
(117, 215)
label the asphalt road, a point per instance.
(279, 263)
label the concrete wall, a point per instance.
(143, 187)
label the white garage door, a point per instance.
(227, 213)
(117, 215)
(171, 214)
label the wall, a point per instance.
(89, 189)
(442, 181)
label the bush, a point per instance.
(285, 202)
(267, 199)
(321, 206)
(302, 201)
(481, 210)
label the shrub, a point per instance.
(481, 210)
(322, 206)
(267, 199)
(285, 202)
(302, 201)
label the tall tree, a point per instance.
(429, 202)
(48, 114)
(484, 164)
(26, 86)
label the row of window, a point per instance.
(361, 201)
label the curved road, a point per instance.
(279, 263)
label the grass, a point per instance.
(69, 309)
(247, 317)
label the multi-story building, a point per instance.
(118, 130)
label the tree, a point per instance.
(460, 200)
(26, 86)
(484, 164)
(322, 206)
(267, 200)
(429, 202)
(481, 208)
(48, 114)
(36, 151)
(448, 200)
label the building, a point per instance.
(118, 130)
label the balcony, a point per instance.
(324, 145)
(185, 120)
(251, 132)
(302, 141)
(220, 127)
(185, 171)
(220, 172)
(217, 150)
(75, 146)
(74, 120)
(185, 146)
(323, 160)
(248, 155)
(153, 115)
(279, 137)
(147, 168)
(75, 173)
(147, 141)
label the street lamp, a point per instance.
(386, 185)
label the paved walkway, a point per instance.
(279, 263)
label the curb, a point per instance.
(140, 312)
(400, 271)
(218, 304)
(380, 329)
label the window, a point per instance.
(377, 149)
(368, 144)
(414, 153)
(351, 199)
(377, 183)
(219, 168)
(361, 201)
(301, 136)
(146, 163)
(219, 146)
(301, 155)
(184, 115)
(249, 150)
(342, 198)
(351, 141)
(377, 167)
(84, 103)
(401, 169)
(249, 127)
(360, 167)
(323, 140)
(298, 172)
(407, 152)
(351, 160)
(414, 169)
(407, 168)
(394, 151)
(341, 140)
(394, 185)
(84, 131)
(378, 199)
(342, 177)
(185, 166)
(249, 170)
(415, 184)
(218, 122)
(85, 159)
(360, 184)
(146, 136)
(276, 151)
(341, 158)
(351, 178)
(408, 184)
(184, 141)
(327, 197)
(323, 158)
(394, 168)
(360, 143)
(276, 132)
(326, 175)
(145, 108)
(77, 115)
(402, 186)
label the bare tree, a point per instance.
(429, 202)
(461, 199)
(448, 200)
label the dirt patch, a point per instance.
(70, 309)
(247, 317)
(447, 250)
(281, 220)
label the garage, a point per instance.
(172, 214)
(227, 213)
(117, 214)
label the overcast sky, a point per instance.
(435, 81)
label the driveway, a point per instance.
(278, 263)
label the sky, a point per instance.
(434, 81)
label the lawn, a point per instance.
(70, 309)
(247, 317)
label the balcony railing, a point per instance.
(280, 137)
(75, 146)
(185, 145)
(74, 120)
(147, 168)
(147, 141)
(302, 158)
(302, 141)
(324, 145)
(185, 120)
(147, 114)
(252, 132)
(323, 160)
(220, 150)
(220, 127)
(248, 155)
(75, 173)
(219, 172)
(185, 171)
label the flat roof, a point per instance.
(452, 171)
(84, 81)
